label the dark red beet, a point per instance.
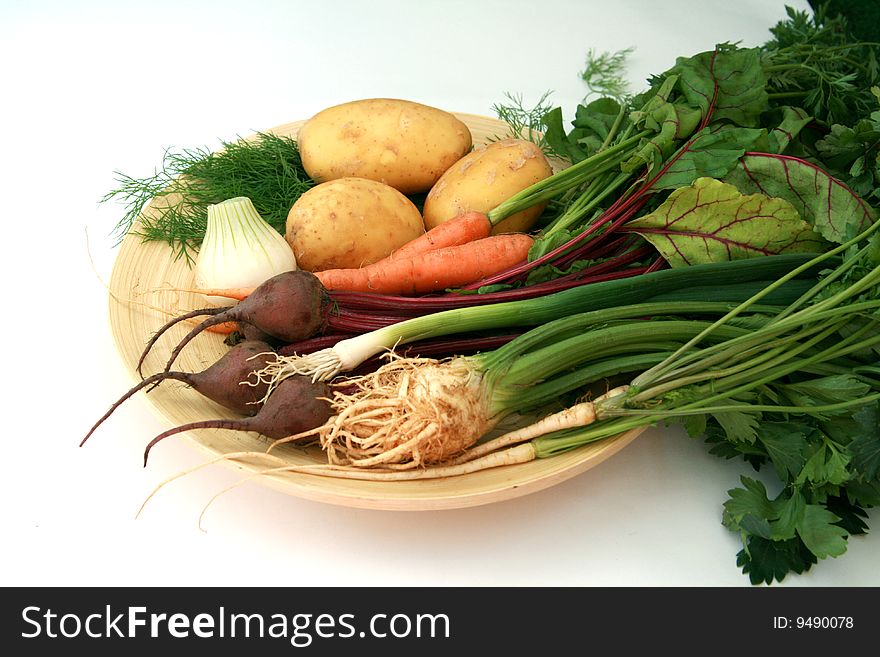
(247, 332)
(296, 405)
(288, 307)
(222, 382)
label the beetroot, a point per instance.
(297, 404)
(226, 382)
(288, 307)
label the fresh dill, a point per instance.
(605, 74)
(524, 122)
(267, 169)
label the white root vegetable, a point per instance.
(417, 412)
(410, 412)
(240, 249)
(579, 415)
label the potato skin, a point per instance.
(401, 143)
(350, 222)
(486, 177)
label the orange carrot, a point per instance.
(432, 271)
(237, 293)
(462, 229)
(226, 328)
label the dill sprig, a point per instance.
(267, 169)
(524, 122)
(605, 74)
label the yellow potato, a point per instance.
(403, 144)
(350, 222)
(486, 177)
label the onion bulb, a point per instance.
(240, 249)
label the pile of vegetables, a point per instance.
(705, 252)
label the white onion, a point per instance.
(240, 249)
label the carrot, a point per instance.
(464, 228)
(237, 293)
(226, 328)
(431, 271)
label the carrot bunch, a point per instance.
(453, 254)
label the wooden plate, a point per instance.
(142, 300)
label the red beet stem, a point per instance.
(311, 345)
(353, 312)
(348, 321)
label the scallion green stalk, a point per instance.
(807, 339)
(730, 282)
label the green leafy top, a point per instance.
(852, 154)
(266, 168)
(813, 60)
(710, 221)
(741, 151)
(727, 84)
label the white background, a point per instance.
(93, 87)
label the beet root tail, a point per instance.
(193, 313)
(234, 425)
(155, 379)
(218, 318)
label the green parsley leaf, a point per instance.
(786, 443)
(851, 515)
(826, 466)
(751, 500)
(819, 531)
(790, 513)
(826, 390)
(865, 447)
(765, 561)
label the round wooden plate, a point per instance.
(142, 286)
